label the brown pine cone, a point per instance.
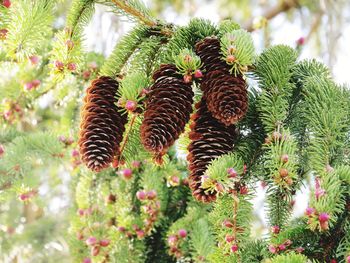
(208, 50)
(102, 124)
(168, 109)
(226, 96)
(209, 140)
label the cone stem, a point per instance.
(127, 136)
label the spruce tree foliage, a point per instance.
(295, 133)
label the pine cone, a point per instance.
(209, 140)
(226, 96)
(168, 109)
(208, 50)
(102, 124)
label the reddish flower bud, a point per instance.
(299, 249)
(2, 150)
(182, 233)
(28, 86)
(288, 242)
(227, 223)
(140, 233)
(348, 259)
(92, 65)
(187, 78)
(3, 33)
(172, 240)
(24, 197)
(72, 66)
(105, 242)
(301, 41)
(230, 58)
(111, 198)
(34, 60)
(275, 229)
(6, 3)
(272, 249)
(174, 180)
(323, 217)
(75, 153)
(127, 173)
(86, 74)
(229, 238)
(310, 211)
(136, 164)
(319, 192)
(81, 212)
(231, 173)
(283, 172)
(80, 236)
(91, 241)
(234, 248)
(198, 74)
(59, 65)
(69, 44)
(121, 229)
(141, 195)
(151, 195)
(219, 188)
(282, 247)
(95, 251)
(36, 83)
(130, 105)
(243, 190)
(87, 260)
(284, 158)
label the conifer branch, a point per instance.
(126, 136)
(282, 6)
(123, 5)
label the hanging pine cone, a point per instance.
(208, 50)
(226, 96)
(209, 140)
(102, 124)
(168, 109)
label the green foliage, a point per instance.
(327, 124)
(123, 7)
(202, 240)
(123, 50)
(80, 14)
(187, 62)
(29, 27)
(238, 44)
(236, 209)
(289, 258)
(274, 71)
(186, 37)
(226, 26)
(217, 172)
(132, 85)
(26, 151)
(331, 202)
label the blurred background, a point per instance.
(34, 218)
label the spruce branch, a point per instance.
(281, 7)
(126, 136)
(137, 10)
